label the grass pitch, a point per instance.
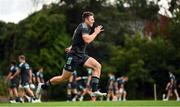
(97, 104)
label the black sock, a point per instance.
(79, 95)
(46, 85)
(10, 98)
(69, 97)
(75, 95)
(33, 98)
(17, 99)
(95, 83)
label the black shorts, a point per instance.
(25, 84)
(75, 60)
(14, 84)
(174, 87)
(81, 86)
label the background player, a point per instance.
(84, 85)
(111, 88)
(171, 87)
(14, 83)
(39, 81)
(72, 87)
(24, 71)
(121, 93)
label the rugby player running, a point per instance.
(76, 56)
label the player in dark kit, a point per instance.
(76, 56)
(171, 87)
(14, 83)
(84, 85)
(121, 92)
(24, 71)
(111, 87)
(72, 87)
(39, 80)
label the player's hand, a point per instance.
(98, 29)
(67, 50)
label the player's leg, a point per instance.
(66, 74)
(74, 90)
(177, 95)
(28, 98)
(29, 92)
(96, 67)
(108, 95)
(111, 95)
(16, 94)
(69, 94)
(57, 79)
(116, 91)
(75, 94)
(23, 94)
(114, 96)
(38, 95)
(89, 91)
(82, 92)
(120, 94)
(11, 95)
(37, 92)
(168, 94)
(62, 78)
(124, 95)
(54, 80)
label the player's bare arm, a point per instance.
(18, 71)
(89, 38)
(9, 75)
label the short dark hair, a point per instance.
(13, 62)
(22, 57)
(87, 14)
